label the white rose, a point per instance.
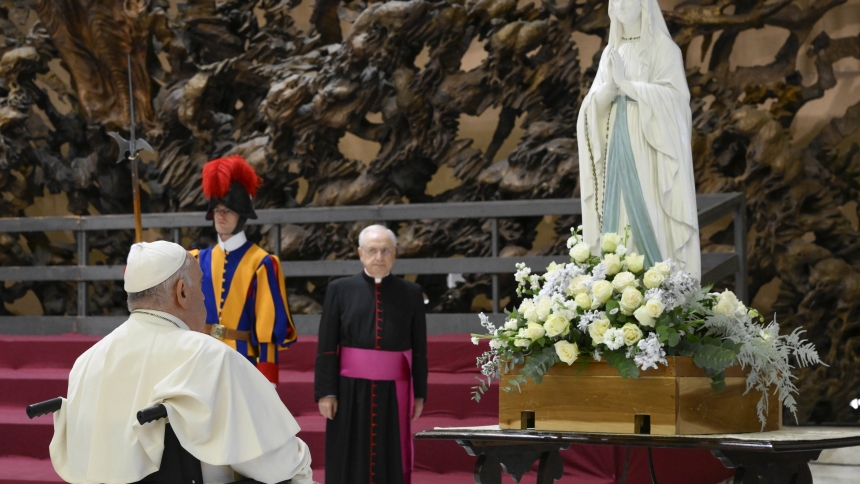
(654, 308)
(597, 328)
(556, 324)
(580, 252)
(583, 301)
(528, 310)
(613, 338)
(510, 324)
(576, 286)
(532, 331)
(610, 242)
(543, 308)
(496, 344)
(567, 352)
(632, 334)
(623, 280)
(612, 263)
(523, 343)
(653, 278)
(642, 316)
(602, 291)
(631, 299)
(525, 305)
(635, 262)
(474, 340)
(552, 268)
(663, 268)
(727, 303)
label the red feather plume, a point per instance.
(218, 174)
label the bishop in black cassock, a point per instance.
(374, 325)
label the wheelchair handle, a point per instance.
(42, 408)
(151, 414)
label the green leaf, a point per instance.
(687, 348)
(713, 357)
(692, 338)
(663, 333)
(611, 305)
(674, 338)
(625, 366)
(732, 346)
(582, 365)
(718, 381)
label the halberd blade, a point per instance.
(124, 146)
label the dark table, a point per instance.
(779, 457)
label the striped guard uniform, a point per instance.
(245, 291)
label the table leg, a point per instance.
(516, 460)
(768, 467)
(551, 467)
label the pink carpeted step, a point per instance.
(446, 353)
(15, 470)
(430, 455)
(32, 385)
(22, 436)
(449, 395)
(25, 470)
(43, 351)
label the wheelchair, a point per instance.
(178, 466)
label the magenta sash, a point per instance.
(387, 365)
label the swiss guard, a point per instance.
(246, 300)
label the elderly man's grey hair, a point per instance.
(376, 227)
(158, 296)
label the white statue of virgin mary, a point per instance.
(634, 129)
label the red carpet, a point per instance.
(36, 368)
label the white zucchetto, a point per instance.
(151, 263)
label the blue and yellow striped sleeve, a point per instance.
(274, 324)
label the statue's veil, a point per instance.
(653, 26)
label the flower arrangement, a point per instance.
(612, 307)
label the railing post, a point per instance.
(494, 226)
(740, 220)
(276, 240)
(83, 293)
(177, 236)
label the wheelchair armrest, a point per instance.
(151, 414)
(41, 408)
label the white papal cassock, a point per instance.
(223, 410)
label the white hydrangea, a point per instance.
(522, 274)
(599, 272)
(650, 353)
(613, 338)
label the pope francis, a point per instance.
(223, 411)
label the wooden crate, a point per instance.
(677, 399)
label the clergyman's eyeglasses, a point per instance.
(385, 251)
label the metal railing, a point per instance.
(711, 208)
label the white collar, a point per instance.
(233, 243)
(376, 279)
(160, 317)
